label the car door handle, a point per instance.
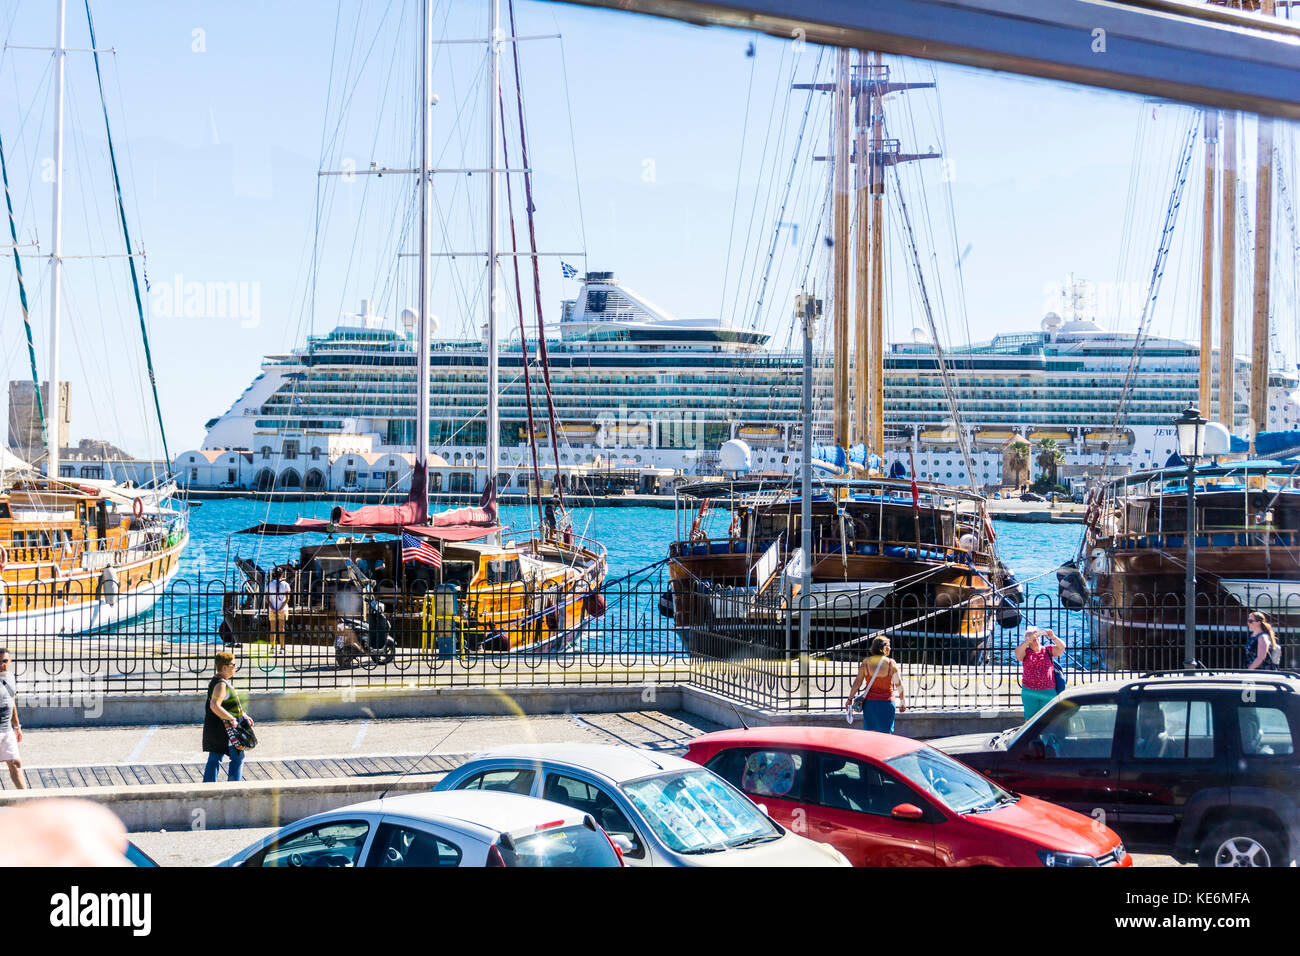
(1096, 771)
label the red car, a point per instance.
(884, 800)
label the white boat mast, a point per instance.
(494, 95)
(56, 252)
(425, 181)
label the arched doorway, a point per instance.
(290, 478)
(265, 480)
(315, 480)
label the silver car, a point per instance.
(437, 829)
(661, 810)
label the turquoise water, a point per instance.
(635, 537)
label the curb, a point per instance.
(230, 805)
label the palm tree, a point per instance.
(1049, 458)
(1015, 463)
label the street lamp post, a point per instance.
(1190, 427)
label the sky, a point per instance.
(659, 149)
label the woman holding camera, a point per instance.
(1037, 676)
(224, 709)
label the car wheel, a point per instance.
(1241, 843)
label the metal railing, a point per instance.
(639, 630)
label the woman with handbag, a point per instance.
(1263, 650)
(221, 718)
(883, 681)
(1038, 674)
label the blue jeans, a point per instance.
(214, 765)
(878, 715)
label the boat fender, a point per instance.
(1008, 614)
(553, 620)
(594, 604)
(666, 604)
(137, 507)
(108, 585)
(1071, 586)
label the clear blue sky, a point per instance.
(224, 112)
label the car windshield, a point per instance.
(695, 811)
(570, 846)
(957, 787)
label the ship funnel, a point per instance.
(365, 308)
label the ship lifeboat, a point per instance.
(938, 436)
(993, 436)
(1114, 438)
(1054, 434)
(759, 434)
(636, 435)
(572, 431)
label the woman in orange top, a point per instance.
(883, 679)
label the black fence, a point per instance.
(639, 630)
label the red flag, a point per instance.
(916, 492)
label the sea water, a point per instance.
(636, 540)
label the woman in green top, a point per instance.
(224, 709)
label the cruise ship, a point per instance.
(638, 388)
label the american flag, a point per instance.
(418, 549)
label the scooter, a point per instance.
(359, 637)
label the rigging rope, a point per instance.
(945, 375)
(537, 276)
(1153, 292)
(519, 303)
(126, 236)
(22, 296)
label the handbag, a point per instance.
(241, 736)
(1058, 674)
(861, 697)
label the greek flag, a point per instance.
(569, 271)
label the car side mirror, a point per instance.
(1035, 750)
(907, 811)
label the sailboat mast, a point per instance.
(425, 186)
(1263, 253)
(1228, 276)
(494, 94)
(861, 246)
(877, 441)
(56, 250)
(840, 178)
(1207, 263)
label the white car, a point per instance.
(438, 829)
(660, 810)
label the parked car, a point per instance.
(885, 800)
(1198, 765)
(659, 809)
(351, 488)
(227, 486)
(438, 829)
(1030, 496)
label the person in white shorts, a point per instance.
(11, 731)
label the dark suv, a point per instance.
(1201, 765)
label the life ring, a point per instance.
(137, 507)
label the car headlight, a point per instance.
(1057, 858)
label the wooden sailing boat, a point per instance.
(911, 560)
(78, 557)
(456, 582)
(1246, 536)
